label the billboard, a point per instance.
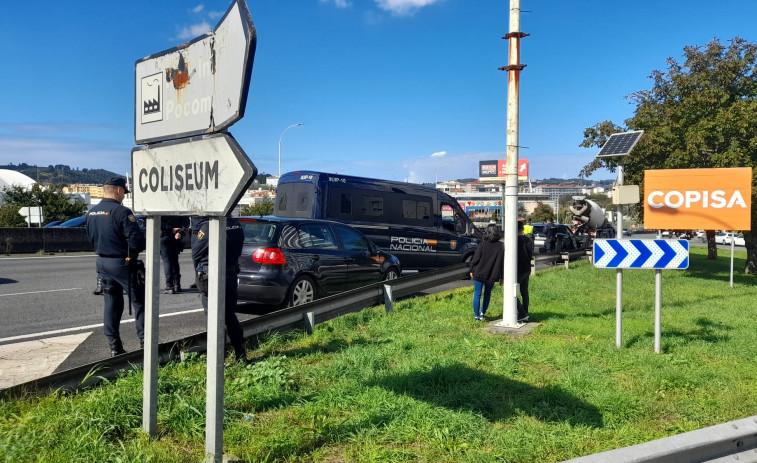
(496, 171)
(707, 199)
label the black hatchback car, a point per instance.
(292, 261)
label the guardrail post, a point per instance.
(309, 319)
(388, 302)
(533, 266)
(566, 258)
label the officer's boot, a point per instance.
(240, 353)
(177, 285)
(99, 288)
(169, 287)
(116, 347)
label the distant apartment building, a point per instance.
(555, 192)
(481, 199)
(94, 191)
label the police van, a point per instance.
(425, 228)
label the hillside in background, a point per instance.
(62, 174)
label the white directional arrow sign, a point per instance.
(203, 176)
(647, 254)
(199, 87)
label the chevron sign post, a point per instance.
(644, 254)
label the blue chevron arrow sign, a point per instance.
(649, 254)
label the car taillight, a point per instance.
(268, 256)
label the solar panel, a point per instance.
(620, 144)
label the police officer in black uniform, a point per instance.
(117, 240)
(234, 243)
(171, 244)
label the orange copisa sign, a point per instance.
(707, 199)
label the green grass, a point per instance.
(427, 384)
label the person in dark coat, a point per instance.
(171, 244)
(117, 239)
(525, 254)
(200, 251)
(549, 233)
(486, 268)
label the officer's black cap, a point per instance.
(117, 181)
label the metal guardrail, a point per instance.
(735, 441)
(300, 317)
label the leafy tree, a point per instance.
(9, 216)
(264, 207)
(542, 212)
(701, 113)
(55, 204)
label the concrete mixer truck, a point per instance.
(590, 219)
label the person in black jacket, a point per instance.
(117, 240)
(234, 243)
(486, 268)
(525, 254)
(549, 233)
(171, 244)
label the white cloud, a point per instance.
(215, 14)
(403, 7)
(198, 9)
(195, 30)
(439, 154)
(339, 3)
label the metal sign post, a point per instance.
(152, 309)
(216, 339)
(194, 90)
(619, 272)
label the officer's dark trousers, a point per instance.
(233, 328)
(115, 274)
(523, 285)
(170, 248)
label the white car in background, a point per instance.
(738, 240)
(723, 238)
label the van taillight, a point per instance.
(268, 256)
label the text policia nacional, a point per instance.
(180, 177)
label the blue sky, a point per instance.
(381, 85)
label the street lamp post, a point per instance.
(282, 135)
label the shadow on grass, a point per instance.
(720, 269)
(706, 331)
(458, 387)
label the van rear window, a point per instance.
(294, 200)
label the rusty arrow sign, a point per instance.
(199, 87)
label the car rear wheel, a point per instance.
(301, 292)
(391, 274)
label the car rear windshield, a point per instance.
(258, 233)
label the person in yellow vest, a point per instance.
(528, 229)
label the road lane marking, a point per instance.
(40, 292)
(88, 327)
(47, 257)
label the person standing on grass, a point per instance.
(525, 254)
(486, 268)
